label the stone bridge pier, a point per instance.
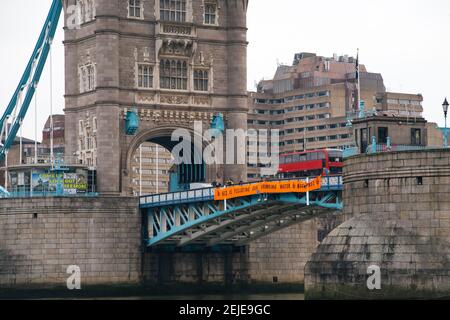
(398, 207)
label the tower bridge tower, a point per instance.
(174, 61)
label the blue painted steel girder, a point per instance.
(243, 219)
(29, 78)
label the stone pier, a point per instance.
(399, 206)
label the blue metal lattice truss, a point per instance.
(195, 218)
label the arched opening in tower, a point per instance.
(155, 168)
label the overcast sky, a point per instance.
(407, 41)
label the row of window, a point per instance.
(404, 102)
(151, 183)
(300, 119)
(293, 109)
(152, 160)
(153, 149)
(173, 75)
(301, 141)
(174, 11)
(313, 128)
(151, 172)
(317, 139)
(292, 98)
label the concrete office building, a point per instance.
(313, 101)
(151, 174)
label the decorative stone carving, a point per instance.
(201, 100)
(174, 99)
(145, 98)
(178, 30)
(146, 54)
(178, 47)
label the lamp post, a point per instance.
(445, 108)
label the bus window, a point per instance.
(335, 156)
(296, 158)
(289, 159)
(302, 158)
(312, 156)
(335, 170)
(321, 155)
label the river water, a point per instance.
(200, 297)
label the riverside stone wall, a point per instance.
(40, 238)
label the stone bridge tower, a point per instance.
(173, 61)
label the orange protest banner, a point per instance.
(293, 186)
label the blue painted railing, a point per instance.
(379, 148)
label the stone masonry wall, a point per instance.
(399, 207)
(276, 259)
(40, 238)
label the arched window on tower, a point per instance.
(201, 80)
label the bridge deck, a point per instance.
(196, 217)
(331, 183)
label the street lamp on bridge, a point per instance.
(445, 108)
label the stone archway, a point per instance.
(162, 136)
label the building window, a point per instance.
(90, 78)
(416, 137)
(382, 134)
(210, 13)
(94, 124)
(173, 74)
(201, 80)
(135, 9)
(87, 78)
(145, 76)
(81, 127)
(173, 10)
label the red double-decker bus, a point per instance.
(311, 163)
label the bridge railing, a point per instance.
(207, 194)
(382, 147)
(179, 197)
(28, 191)
(399, 147)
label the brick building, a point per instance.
(58, 135)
